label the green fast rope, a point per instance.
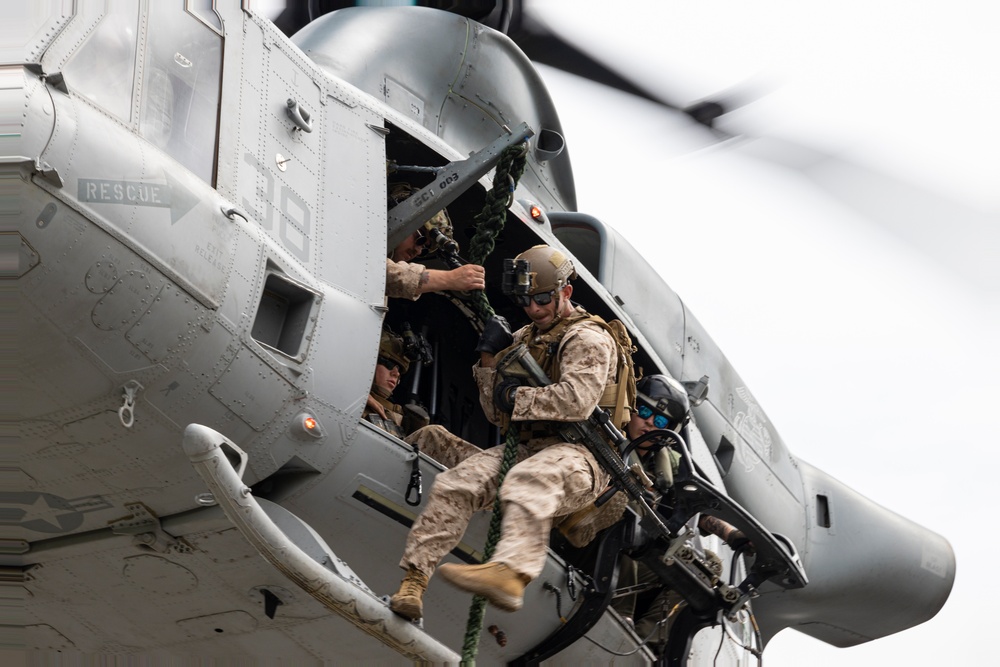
(490, 221)
(474, 626)
(489, 224)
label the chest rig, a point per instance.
(619, 396)
(543, 346)
(394, 422)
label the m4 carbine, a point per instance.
(597, 434)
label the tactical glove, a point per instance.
(496, 335)
(503, 395)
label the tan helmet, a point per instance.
(549, 269)
(399, 191)
(440, 222)
(391, 347)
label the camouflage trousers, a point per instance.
(442, 445)
(550, 479)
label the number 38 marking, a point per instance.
(294, 219)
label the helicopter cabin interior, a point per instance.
(445, 388)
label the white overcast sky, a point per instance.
(866, 321)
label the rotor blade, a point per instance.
(543, 45)
(964, 239)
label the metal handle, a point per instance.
(298, 115)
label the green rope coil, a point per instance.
(489, 224)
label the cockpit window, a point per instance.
(582, 235)
(103, 69)
(180, 101)
(205, 10)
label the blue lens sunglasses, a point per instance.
(659, 421)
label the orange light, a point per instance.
(306, 426)
(536, 212)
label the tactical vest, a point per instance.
(394, 423)
(619, 397)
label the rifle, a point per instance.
(597, 434)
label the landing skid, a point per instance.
(306, 561)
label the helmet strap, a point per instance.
(559, 306)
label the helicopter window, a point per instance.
(822, 511)
(284, 318)
(206, 13)
(103, 69)
(180, 105)
(724, 455)
(583, 236)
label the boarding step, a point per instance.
(299, 553)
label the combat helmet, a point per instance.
(439, 230)
(391, 347)
(399, 191)
(665, 395)
(548, 269)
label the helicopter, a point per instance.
(201, 224)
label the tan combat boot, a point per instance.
(407, 602)
(496, 582)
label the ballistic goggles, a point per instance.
(391, 364)
(660, 421)
(542, 298)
